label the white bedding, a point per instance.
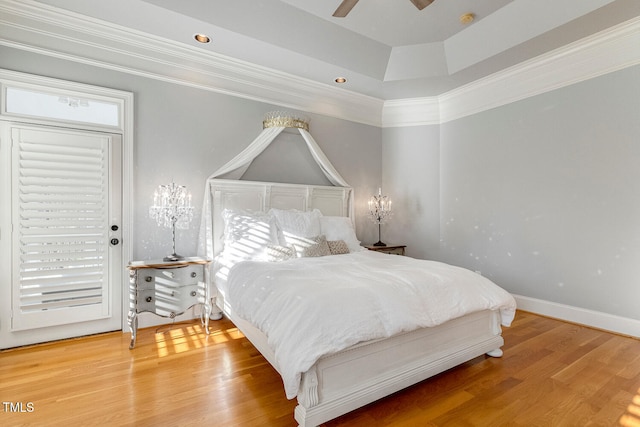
(311, 307)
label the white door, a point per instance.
(66, 257)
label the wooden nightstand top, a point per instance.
(389, 249)
(159, 263)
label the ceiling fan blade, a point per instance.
(344, 8)
(421, 4)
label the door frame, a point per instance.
(124, 100)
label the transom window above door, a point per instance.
(63, 106)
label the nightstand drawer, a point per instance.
(149, 278)
(169, 301)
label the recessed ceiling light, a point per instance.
(202, 38)
(467, 18)
(341, 80)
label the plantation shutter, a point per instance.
(60, 195)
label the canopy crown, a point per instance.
(285, 119)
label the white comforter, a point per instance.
(311, 307)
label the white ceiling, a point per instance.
(372, 18)
(386, 49)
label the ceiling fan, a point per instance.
(346, 6)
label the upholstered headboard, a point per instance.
(262, 196)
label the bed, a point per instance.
(363, 369)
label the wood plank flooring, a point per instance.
(552, 374)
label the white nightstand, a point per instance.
(167, 289)
(388, 249)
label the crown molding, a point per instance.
(602, 53)
(58, 33)
(411, 112)
(54, 32)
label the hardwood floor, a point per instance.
(552, 374)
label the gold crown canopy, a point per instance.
(285, 119)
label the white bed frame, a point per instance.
(363, 373)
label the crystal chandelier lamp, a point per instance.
(172, 209)
(379, 212)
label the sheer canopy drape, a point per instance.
(236, 167)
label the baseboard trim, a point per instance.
(594, 319)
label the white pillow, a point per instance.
(340, 228)
(294, 225)
(277, 253)
(247, 234)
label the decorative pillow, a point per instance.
(340, 228)
(277, 253)
(312, 247)
(338, 247)
(294, 224)
(247, 234)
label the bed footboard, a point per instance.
(348, 380)
(366, 372)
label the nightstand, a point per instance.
(167, 289)
(388, 249)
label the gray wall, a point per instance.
(542, 195)
(184, 134)
(411, 177)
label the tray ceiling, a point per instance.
(385, 49)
